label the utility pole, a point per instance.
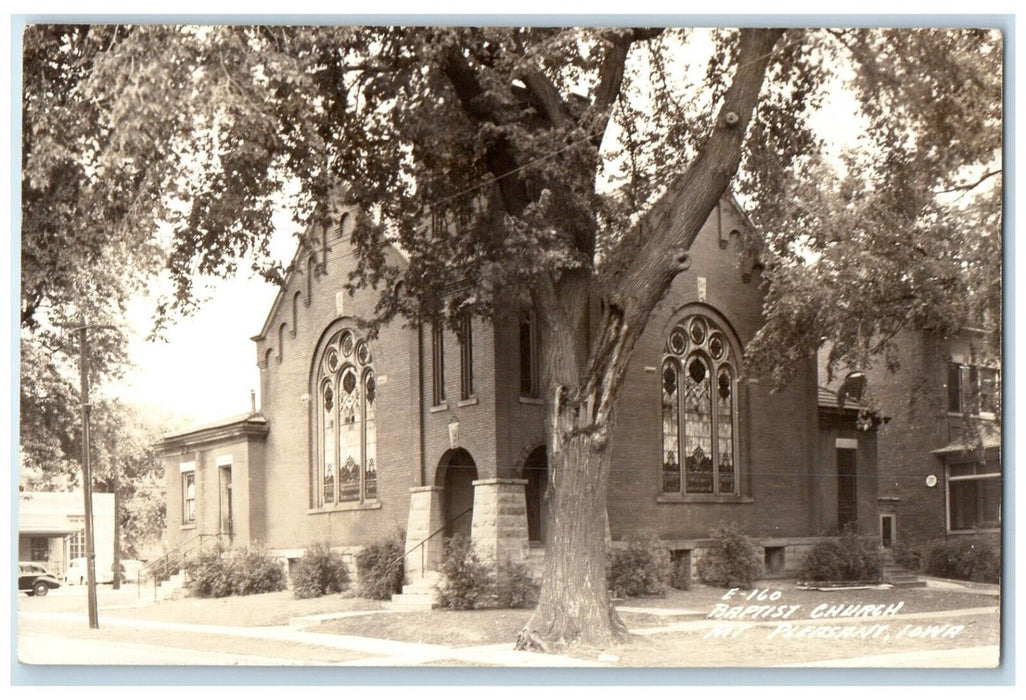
(117, 524)
(87, 476)
(87, 472)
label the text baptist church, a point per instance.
(436, 433)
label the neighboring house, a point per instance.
(51, 530)
(940, 451)
(427, 431)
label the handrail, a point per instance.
(421, 543)
(174, 556)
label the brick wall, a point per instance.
(914, 398)
(777, 433)
(290, 403)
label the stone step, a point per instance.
(413, 601)
(419, 589)
(914, 583)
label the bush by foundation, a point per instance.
(319, 572)
(732, 561)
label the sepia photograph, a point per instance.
(506, 344)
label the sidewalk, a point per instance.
(378, 652)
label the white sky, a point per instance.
(205, 368)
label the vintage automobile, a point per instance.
(35, 579)
(76, 574)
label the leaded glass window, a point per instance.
(699, 410)
(346, 466)
(350, 437)
(370, 454)
(671, 428)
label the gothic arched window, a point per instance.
(699, 410)
(346, 464)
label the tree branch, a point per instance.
(654, 252)
(547, 97)
(971, 186)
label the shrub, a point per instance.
(966, 559)
(380, 567)
(209, 574)
(253, 570)
(732, 560)
(319, 572)
(514, 585)
(219, 573)
(466, 580)
(640, 568)
(848, 558)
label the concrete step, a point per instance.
(914, 583)
(413, 602)
(900, 577)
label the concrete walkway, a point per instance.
(382, 652)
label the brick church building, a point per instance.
(435, 433)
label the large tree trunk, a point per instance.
(574, 606)
(584, 374)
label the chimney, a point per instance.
(252, 401)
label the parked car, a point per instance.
(36, 579)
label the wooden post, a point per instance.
(87, 478)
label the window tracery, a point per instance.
(699, 410)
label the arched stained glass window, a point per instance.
(698, 426)
(725, 430)
(699, 410)
(370, 453)
(328, 428)
(346, 464)
(671, 427)
(350, 436)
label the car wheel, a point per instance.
(40, 589)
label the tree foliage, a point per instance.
(121, 439)
(902, 229)
(559, 166)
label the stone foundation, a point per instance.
(425, 518)
(499, 528)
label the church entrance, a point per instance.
(456, 474)
(536, 471)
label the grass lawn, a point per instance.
(757, 647)
(450, 627)
(480, 627)
(703, 598)
(242, 611)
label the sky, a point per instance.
(205, 368)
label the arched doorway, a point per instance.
(456, 474)
(536, 471)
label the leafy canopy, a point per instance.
(495, 156)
